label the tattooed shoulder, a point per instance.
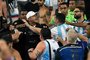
(37, 53)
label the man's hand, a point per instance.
(11, 27)
(59, 39)
(67, 22)
(16, 35)
(26, 23)
(30, 50)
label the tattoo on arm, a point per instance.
(37, 53)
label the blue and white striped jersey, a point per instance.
(60, 30)
(80, 30)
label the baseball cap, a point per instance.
(30, 14)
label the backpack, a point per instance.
(70, 52)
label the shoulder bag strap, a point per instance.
(49, 49)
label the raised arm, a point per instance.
(77, 24)
(82, 37)
(34, 29)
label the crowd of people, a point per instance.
(45, 31)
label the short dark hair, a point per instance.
(22, 11)
(44, 0)
(88, 23)
(32, 0)
(46, 33)
(60, 17)
(7, 38)
(71, 0)
(82, 9)
(64, 3)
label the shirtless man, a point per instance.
(7, 52)
(3, 11)
(42, 12)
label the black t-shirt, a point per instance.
(26, 42)
(41, 25)
(87, 8)
(4, 32)
(18, 23)
(28, 39)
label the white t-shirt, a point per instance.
(53, 3)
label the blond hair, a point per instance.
(71, 36)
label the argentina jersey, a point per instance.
(80, 30)
(60, 30)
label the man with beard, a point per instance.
(58, 30)
(43, 8)
(79, 15)
(19, 24)
(43, 11)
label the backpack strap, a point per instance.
(49, 49)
